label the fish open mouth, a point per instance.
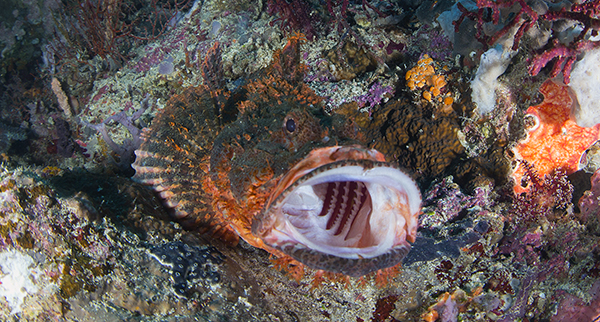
(342, 209)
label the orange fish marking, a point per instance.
(556, 141)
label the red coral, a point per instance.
(293, 15)
(563, 55)
(525, 12)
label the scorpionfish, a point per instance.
(268, 164)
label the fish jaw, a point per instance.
(344, 210)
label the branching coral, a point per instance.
(293, 15)
(523, 16)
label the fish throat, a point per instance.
(347, 205)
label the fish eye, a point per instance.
(290, 125)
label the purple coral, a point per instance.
(377, 93)
(126, 150)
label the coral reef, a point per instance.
(423, 76)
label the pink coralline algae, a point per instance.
(446, 201)
(572, 308)
(158, 53)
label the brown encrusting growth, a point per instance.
(424, 144)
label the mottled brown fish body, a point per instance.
(338, 208)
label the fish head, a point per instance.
(267, 140)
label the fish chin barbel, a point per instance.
(342, 209)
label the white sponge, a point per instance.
(16, 281)
(585, 85)
(493, 63)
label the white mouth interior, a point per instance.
(349, 211)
